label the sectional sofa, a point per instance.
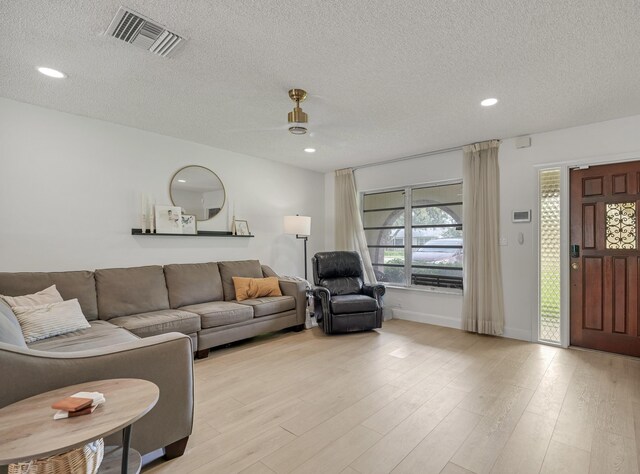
(146, 322)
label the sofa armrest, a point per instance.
(165, 360)
(290, 287)
(297, 289)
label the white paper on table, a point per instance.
(97, 397)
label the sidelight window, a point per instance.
(549, 284)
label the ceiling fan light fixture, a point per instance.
(298, 129)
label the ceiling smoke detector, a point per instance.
(144, 33)
(297, 118)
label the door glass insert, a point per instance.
(549, 318)
(621, 225)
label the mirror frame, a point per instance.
(210, 171)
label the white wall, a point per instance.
(70, 186)
(604, 142)
(601, 142)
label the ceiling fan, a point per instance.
(297, 117)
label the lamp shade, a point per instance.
(298, 225)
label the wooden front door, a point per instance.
(605, 307)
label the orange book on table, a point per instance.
(72, 404)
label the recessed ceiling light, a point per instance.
(47, 71)
(182, 181)
(489, 102)
(310, 150)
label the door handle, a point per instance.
(574, 266)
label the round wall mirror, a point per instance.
(198, 191)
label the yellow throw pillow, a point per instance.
(241, 286)
(247, 288)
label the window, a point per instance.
(550, 296)
(414, 235)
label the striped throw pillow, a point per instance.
(48, 320)
(46, 296)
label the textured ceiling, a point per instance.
(386, 78)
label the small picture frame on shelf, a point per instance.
(168, 220)
(241, 227)
(189, 224)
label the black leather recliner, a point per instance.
(342, 302)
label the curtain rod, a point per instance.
(410, 157)
(413, 157)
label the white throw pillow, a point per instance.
(46, 296)
(48, 320)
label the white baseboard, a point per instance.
(427, 318)
(455, 323)
(521, 334)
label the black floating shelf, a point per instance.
(201, 233)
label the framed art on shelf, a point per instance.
(189, 224)
(168, 220)
(241, 227)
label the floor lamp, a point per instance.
(300, 226)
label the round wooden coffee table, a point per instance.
(28, 430)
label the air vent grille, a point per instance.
(144, 33)
(128, 27)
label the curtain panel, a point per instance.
(483, 305)
(349, 231)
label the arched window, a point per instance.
(432, 255)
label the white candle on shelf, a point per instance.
(233, 220)
(152, 215)
(143, 217)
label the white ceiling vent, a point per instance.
(144, 33)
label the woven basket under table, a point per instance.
(83, 460)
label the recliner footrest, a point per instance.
(354, 322)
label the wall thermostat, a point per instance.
(521, 216)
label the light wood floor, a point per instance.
(411, 398)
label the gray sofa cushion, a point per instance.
(220, 313)
(241, 268)
(10, 332)
(159, 322)
(126, 291)
(100, 334)
(80, 285)
(193, 283)
(270, 305)
(353, 304)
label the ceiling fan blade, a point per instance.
(250, 130)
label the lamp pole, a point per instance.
(305, 238)
(300, 226)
